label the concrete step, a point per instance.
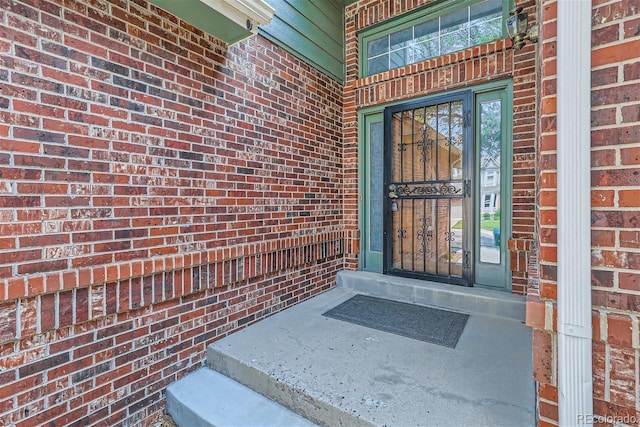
(459, 298)
(282, 385)
(336, 373)
(206, 398)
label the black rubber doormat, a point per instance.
(427, 324)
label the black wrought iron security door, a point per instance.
(428, 169)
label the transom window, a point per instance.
(431, 34)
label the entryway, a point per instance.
(436, 193)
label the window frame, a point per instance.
(414, 17)
(487, 200)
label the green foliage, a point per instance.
(489, 224)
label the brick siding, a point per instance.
(615, 135)
(477, 65)
(158, 191)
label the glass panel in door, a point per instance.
(491, 211)
(372, 189)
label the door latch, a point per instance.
(393, 196)
(392, 191)
(466, 259)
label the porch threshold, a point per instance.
(443, 295)
(337, 373)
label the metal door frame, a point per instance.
(468, 183)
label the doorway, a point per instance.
(428, 155)
(435, 192)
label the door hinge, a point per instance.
(466, 121)
(467, 187)
(466, 259)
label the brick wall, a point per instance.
(157, 192)
(480, 64)
(615, 206)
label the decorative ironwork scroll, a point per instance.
(428, 189)
(425, 235)
(425, 144)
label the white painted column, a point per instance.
(575, 383)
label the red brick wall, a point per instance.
(615, 205)
(157, 191)
(480, 64)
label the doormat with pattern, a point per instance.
(427, 324)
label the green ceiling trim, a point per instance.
(312, 30)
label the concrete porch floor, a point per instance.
(338, 373)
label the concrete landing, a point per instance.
(206, 398)
(337, 373)
(460, 298)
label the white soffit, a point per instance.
(248, 14)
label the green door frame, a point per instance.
(487, 274)
(369, 115)
(371, 259)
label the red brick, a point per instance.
(81, 307)
(600, 158)
(629, 239)
(8, 313)
(610, 410)
(604, 76)
(48, 306)
(535, 314)
(595, 325)
(542, 356)
(615, 136)
(629, 281)
(602, 198)
(549, 290)
(603, 238)
(631, 113)
(622, 376)
(632, 71)
(619, 329)
(615, 54)
(548, 410)
(613, 218)
(602, 278)
(28, 316)
(599, 367)
(630, 156)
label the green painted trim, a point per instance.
(203, 17)
(362, 140)
(368, 261)
(317, 16)
(505, 94)
(505, 85)
(295, 43)
(312, 30)
(416, 16)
